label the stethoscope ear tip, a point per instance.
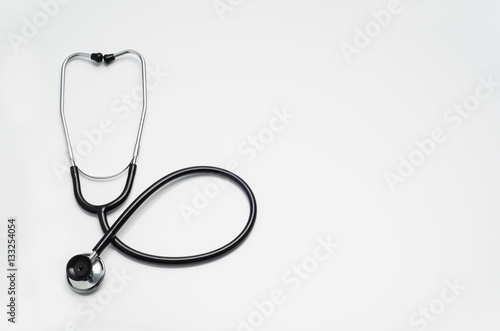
(85, 272)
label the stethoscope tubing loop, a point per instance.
(110, 232)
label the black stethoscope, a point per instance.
(85, 272)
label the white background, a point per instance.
(322, 176)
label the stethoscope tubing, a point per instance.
(110, 232)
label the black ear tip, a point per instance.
(97, 57)
(108, 58)
(79, 267)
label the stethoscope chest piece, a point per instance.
(85, 272)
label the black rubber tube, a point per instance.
(110, 233)
(77, 189)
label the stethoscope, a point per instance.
(85, 272)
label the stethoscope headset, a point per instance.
(85, 272)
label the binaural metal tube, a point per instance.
(88, 56)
